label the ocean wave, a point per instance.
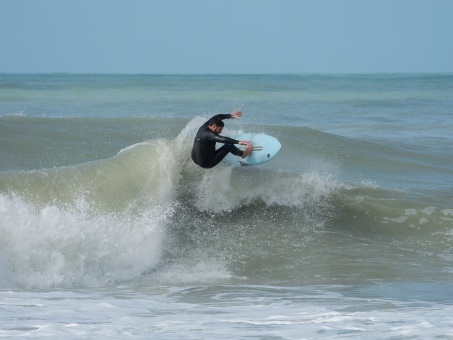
(149, 215)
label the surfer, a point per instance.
(204, 153)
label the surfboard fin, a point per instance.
(243, 163)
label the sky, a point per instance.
(226, 36)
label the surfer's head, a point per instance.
(216, 125)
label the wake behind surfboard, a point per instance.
(265, 148)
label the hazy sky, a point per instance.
(226, 36)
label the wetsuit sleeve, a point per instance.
(221, 139)
(221, 116)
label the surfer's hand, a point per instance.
(244, 142)
(236, 114)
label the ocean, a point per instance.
(109, 230)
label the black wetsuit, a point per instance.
(204, 153)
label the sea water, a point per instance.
(108, 229)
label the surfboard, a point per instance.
(265, 148)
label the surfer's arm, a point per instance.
(233, 115)
(221, 116)
(221, 139)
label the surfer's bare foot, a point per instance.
(247, 150)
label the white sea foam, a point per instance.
(217, 312)
(223, 189)
(66, 247)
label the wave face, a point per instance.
(147, 215)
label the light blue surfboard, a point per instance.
(265, 148)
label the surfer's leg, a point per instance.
(221, 152)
